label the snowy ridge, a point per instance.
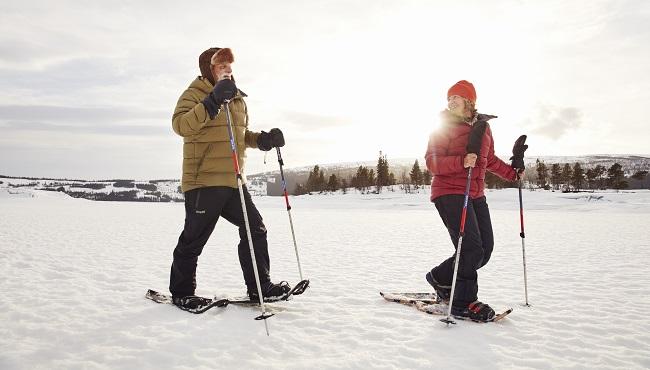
(111, 190)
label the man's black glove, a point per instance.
(518, 153)
(223, 90)
(269, 140)
(277, 138)
(264, 141)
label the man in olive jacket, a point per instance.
(209, 181)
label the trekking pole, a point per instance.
(240, 185)
(523, 244)
(448, 320)
(518, 164)
(286, 200)
(473, 146)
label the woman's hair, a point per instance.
(471, 106)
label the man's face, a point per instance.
(456, 105)
(221, 71)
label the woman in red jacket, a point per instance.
(447, 160)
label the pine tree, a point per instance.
(361, 180)
(312, 180)
(382, 172)
(591, 175)
(344, 186)
(565, 177)
(371, 177)
(299, 190)
(416, 175)
(578, 177)
(616, 177)
(542, 174)
(555, 176)
(333, 183)
(322, 185)
(599, 172)
(427, 177)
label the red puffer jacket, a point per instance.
(444, 158)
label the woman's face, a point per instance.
(456, 105)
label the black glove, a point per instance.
(277, 138)
(476, 137)
(264, 141)
(518, 153)
(223, 90)
(269, 140)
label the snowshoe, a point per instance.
(191, 303)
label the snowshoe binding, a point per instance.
(475, 311)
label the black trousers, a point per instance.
(478, 243)
(203, 207)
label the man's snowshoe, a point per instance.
(270, 290)
(192, 303)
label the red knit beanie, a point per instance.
(463, 89)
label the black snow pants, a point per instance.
(203, 206)
(476, 250)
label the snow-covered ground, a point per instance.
(74, 274)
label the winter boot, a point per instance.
(270, 290)
(443, 292)
(475, 311)
(191, 302)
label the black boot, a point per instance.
(269, 290)
(191, 302)
(475, 311)
(443, 292)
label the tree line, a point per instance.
(365, 179)
(569, 178)
(556, 176)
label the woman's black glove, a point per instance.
(518, 153)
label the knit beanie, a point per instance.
(463, 89)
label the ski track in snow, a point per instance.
(74, 274)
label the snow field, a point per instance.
(75, 273)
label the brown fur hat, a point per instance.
(222, 56)
(204, 63)
(214, 56)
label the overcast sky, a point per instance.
(87, 89)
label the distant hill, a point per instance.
(269, 183)
(298, 175)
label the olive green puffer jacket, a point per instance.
(207, 154)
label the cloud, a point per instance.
(83, 120)
(116, 129)
(312, 121)
(554, 122)
(64, 114)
